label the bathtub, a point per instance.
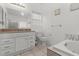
(66, 48)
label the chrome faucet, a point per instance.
(72, 37)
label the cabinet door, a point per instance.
(27, 43)
(20, 44)
(30, 44)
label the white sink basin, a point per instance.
(68, 48)
(73, 46)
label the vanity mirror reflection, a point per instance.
(2, 19)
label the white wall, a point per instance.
(69, 21)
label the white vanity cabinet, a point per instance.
(20, 44)
(14, 43)
(7, 46)
(25, 41)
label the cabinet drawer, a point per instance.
(30, 34)
(7, 52)
(7, 47)
(4, 36)
(6, 41)
(30, 38)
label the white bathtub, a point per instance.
(67, 48)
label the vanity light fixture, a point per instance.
(19, 4)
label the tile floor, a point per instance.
(39, 50)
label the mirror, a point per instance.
(1, 17)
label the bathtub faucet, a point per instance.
(73, 37)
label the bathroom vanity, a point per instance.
(52, 53)
(15, 42)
